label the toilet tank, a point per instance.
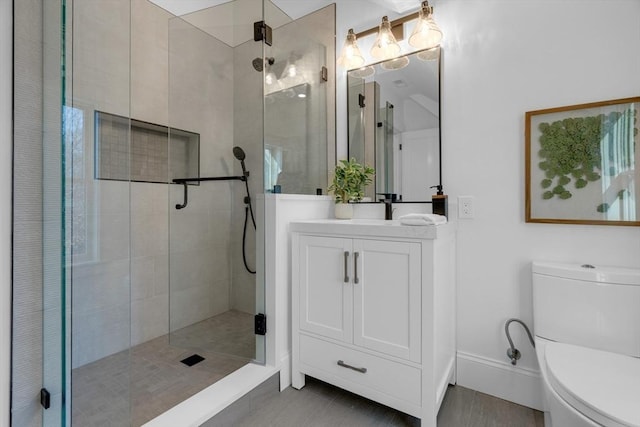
(597, 307)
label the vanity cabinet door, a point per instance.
(387, 295)
(325, 294)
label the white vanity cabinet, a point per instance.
(373, 310)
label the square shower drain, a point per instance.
(192, 360)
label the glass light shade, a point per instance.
(426, 34)
(363, 72)
(385, 46)
(429, 54)
(396, 63)
(351, 57)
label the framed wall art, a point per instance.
(582, 164)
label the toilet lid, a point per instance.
(603, 386)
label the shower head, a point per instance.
(258, 63)
(239, 153)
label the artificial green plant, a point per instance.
(572, 150)
(349, 180)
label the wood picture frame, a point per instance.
(582, 164)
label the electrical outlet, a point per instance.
(465, 207)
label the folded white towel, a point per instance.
(422, 219)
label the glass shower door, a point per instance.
(97, 128)
(215, 92)
(299, 111)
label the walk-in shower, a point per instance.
(152, 287)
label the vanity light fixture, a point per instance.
(385, 46)
(426, 33)
(351, 57)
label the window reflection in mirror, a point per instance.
(394, 124)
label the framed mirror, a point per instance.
(394, 124)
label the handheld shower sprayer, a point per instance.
(239, 154)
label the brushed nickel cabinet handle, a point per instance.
(355, 268)
(344, 365)
(346, 267)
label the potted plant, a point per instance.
(349, 180)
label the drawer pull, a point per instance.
(344, 365)
(346, 267)
(355, 268)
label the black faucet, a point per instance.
(388, 200)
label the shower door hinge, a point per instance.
(261, 31)
(361, 100)
(324, 74)
(45, 398)
(260, 324)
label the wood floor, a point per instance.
(320, 404)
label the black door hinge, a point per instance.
(361, 100)
(260, 324)
(261, 31)
(45, 398)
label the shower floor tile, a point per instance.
(132, 387)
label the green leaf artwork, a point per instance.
(571, 153)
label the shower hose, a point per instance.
(248, 209)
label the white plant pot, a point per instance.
(344, 211)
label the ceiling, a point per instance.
(293, 8)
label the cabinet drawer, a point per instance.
(384, 377)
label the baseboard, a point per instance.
(500, 379)
(285, 371)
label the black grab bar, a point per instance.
(184, 182)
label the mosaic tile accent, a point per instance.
(157, 153)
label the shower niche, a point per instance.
(145, 157)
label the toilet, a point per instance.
(587, 336)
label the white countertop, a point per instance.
(373, 227)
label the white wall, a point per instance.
(6, 99)
(501, 59)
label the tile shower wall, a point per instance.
(200, 99)
(100, 217)
(122, 293)
(243, 290)
(28, 219)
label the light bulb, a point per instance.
(270, 78)
(292, 71)
(351, 57)
(426, 34)
(385, 46)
